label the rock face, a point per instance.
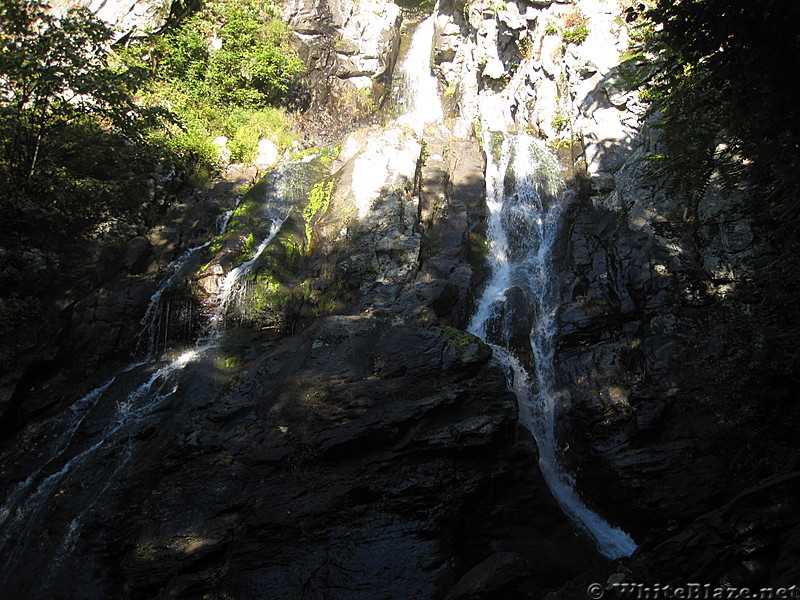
(371, 453)
(350, 48)
(329, 430)
(129, 18)
(645, 273)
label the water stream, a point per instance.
(86, 450)
(419, 93)
(516, 313)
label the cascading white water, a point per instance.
(156, 317)
(391, 155)
(419, 87)
(72, 447)
(525, 202)
(232, 290)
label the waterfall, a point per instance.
(156, 317)
(390, 156)
(233, 289)
(516, 312)
(419, 93)
(89, 448)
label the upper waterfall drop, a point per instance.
(390, 154)
(516, 313)
(419, 93)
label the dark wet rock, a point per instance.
(748, 542)
(452, 219)
(342, 461)
(344, 438)
(137, 256)
(622, 339)
(370, 453)
(498, 574)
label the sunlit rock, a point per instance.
(127, 17)
(267, 153)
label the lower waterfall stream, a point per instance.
(79, 457)
(515, 315)
(516, 311)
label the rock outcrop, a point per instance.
(647, 272)
(373, 452)
(128, 18)
(333, 431)
(350, 48)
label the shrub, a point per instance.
(575, 28)
(560, 122)
(232, 87)
(246, 127)
(576, 35)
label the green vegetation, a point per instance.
(560, 122)
(469, 348)
(96, 140)
(67, 117)
(496, 144)
(460, 339)
(550, 30)
(74, 160)
(247, 248)
(319, 199)
(224, 71)
(233, 361)
(577, 35)
(575, 29)
(716, 74)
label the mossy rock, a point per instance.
(469, 349)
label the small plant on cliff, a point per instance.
(560, 122)
(576, 36)
(575, 28)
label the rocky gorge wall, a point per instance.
(647, 271)
(646, 280)
(346, 438)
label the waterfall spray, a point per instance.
(525, 203)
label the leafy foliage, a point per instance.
(71, 135)
(720, 75)
(577, 35)
(224, 71)
(74, 161)
(252, 66)
(56, 73)
(575, 28)
(319, 199)
(720, 79)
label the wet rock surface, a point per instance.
(637, 301)
(360, 458)
(349, 441)
(371, 453)
(330, 476)
(645, 317)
